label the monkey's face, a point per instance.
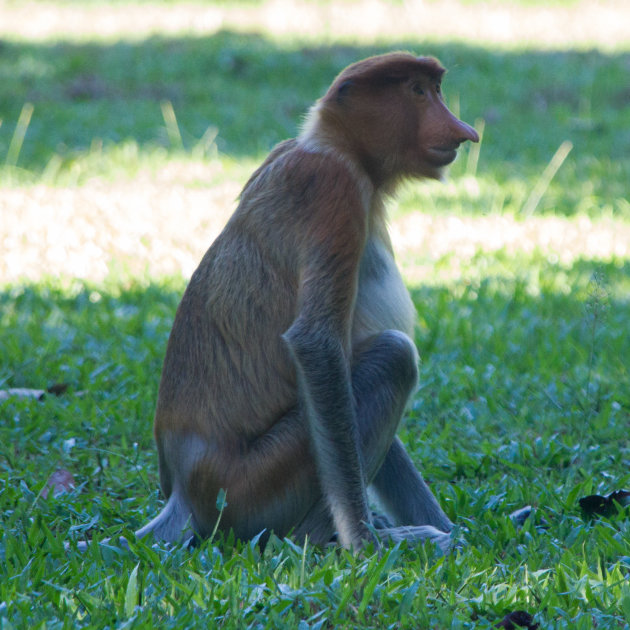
(438, 132)
(388, 112)
(404, 128)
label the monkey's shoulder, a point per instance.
(306, 175)
(280, 149)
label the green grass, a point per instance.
(523, 397)
(523, 400)
(97, 110)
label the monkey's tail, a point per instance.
(173, 524)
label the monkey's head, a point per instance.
(388, 112)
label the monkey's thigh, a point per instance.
(384, 373)
(270, 482)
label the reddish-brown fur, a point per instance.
(261, 387)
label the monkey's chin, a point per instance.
(441, 156)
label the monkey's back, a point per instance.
(232, 371)
(227, 372)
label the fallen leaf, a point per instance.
(24, 392)
(60, 482)
(21, 392)
(598, 505)
(517, 619)
(518, 517)
(58, 388)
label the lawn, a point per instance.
(126, 133)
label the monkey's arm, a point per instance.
(331, 239)
(326, 399)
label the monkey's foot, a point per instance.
(416, 534)
(381, 521)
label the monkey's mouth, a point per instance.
(442, 156)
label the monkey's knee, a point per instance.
(399, 357)
(404, 354)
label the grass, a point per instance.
(523, 396)
(98, 110)
(523, 400)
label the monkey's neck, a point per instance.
(324, 132)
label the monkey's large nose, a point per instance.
(463, 131)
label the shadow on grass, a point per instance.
(504, 360)
(523, 400)
(254, 91)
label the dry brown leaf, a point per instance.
(517, 619)
(58, 388)
(60, 482)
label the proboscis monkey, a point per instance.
(290, 361)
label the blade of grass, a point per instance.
(207, 145)
(303, 563)
(221, 505)
(172, 128)
(18, 135)
(545, 179)
(475, 149)
(132, 592)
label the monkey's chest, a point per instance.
(383, 302)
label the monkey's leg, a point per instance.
(384, 373)
(407, 498)
(270, 484)
(273, 483)
(401, 490)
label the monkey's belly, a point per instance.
(383, 302)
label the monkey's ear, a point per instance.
(343, 90)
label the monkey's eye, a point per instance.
(417, 88)
(438, 88)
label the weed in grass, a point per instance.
(595, 312)
(13, 152)
(545, 179)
